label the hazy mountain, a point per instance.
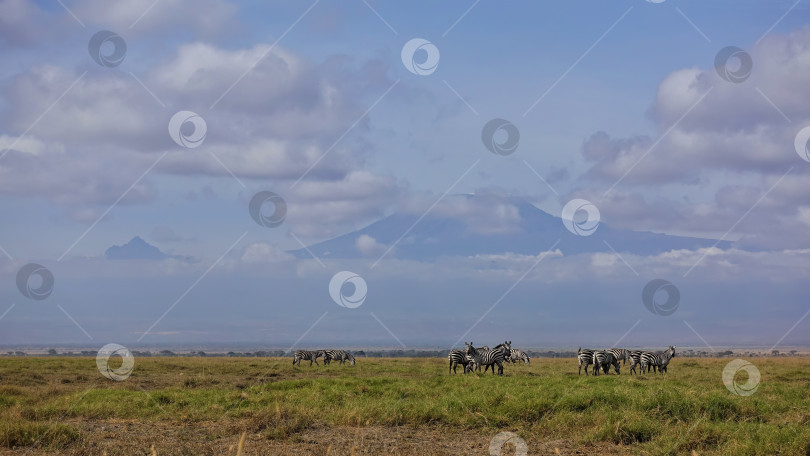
(135, 249)
(534, 231)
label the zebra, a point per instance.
(337, 355)
(307, 355)
(603, 359)
(518, 355)
(635, 360)
(457, 357)
(496, 356)
(659, 360)
(621, 354)
(584, 356)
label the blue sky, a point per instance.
(634, 119)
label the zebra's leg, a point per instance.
(500, 368)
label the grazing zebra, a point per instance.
(635, 360)
(659, 360)
(337, 355)
(518, 355)
(621, 354)
(584, 356)
(496, 356)
(307, 355)
(457, 357)
(603, 359)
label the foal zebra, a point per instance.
(307, 355)
(496, 356)
(603, 359)
(659, 360)
(584, 356)
(337, 355)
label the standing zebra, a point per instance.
(496, 356)
(584, 356)
(603, 359)
(635, 360)
(457, 357)
(337, 355)
(307, 355)
(659, 360)
(519, 355)
(621, 354)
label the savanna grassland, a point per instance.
(193, 406)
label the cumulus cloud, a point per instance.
(715, 138)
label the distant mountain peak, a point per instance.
(477, 224)
(135, 249)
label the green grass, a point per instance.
(688, 409)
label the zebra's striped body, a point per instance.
(337, 355)
(635, 360)
(457, 357)
(584, 356)
(620, 354)
(603, 359)
(519, 355)
(307, 355)
(657, 360)
(496, 356)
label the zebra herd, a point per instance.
(327, 355)
(603, 359)
(471, 358)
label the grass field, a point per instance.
(395, 406)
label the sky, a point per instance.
(175, 120)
